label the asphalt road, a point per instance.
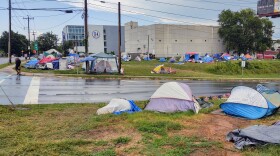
(44, 90)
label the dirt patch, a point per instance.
(110, 133)
(214, 128)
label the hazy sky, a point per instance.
(145, 12)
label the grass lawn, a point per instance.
(269, 69)
(4, 65)
(75, 129)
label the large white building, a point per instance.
(166, 40)
(102, 38)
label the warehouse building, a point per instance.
(168, 40)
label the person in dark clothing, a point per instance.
(18, 62)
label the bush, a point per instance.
(252, 67)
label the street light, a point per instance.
(119, 35)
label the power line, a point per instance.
(164, 12)
(164, 18)
(178, 26)
(62, 22)
(45, 16)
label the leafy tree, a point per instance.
(243, 31)
(68, 45)
(47, 41)
(18, 43)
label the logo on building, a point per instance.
(95, 34)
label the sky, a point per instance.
(145, 12)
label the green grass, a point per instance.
(75, 129)
(5, 65)
(255, 69)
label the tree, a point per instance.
(47, 41)
(18, 43)
(245, 32)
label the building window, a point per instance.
(104, 37)
(105, 44)
(105, 50)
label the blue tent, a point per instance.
(172, 60)
(189, 54)
(248, 103)
(207, 59)
(31, 63)
(162, 59)
(147, 58)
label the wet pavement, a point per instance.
(47, 90)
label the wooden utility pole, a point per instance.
(29, 48)
(10, 31)
(34, 33)
(119, 17)
(86, 34)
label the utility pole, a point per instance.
(33, 33)
(10, 31)
(119, 17)
(28, 19)
(86, 34)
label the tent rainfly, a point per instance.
(172, 97)
(248, 103)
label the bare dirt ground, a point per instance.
(215, 128)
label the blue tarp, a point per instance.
(147, 59)
(227, 58)
(172, 60)
(55, 64)
(87, 59)
(162, 59)
(207, 59)
(133, 106)
(31, 64)
(217, 55)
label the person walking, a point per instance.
(18, 62)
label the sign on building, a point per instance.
(95, 34)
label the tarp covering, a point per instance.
(162, 59)
(118, 106)
(172, 97)
(87, 59)
(46, 60)
(172, 60)
(55, 64)
(157, 69)
(102, 55)
(133, 108)
(31, 64)
(207, 59)
(255, 135)
(137, 58)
